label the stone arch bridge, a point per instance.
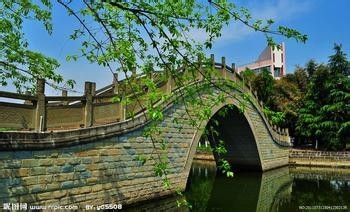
(85, 149)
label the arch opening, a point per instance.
(234, 130)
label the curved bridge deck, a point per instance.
(99, 163)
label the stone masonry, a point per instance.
(108, 171)
(100, 164)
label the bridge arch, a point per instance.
(235, 130)
(260, 152)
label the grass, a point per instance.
(3, 129)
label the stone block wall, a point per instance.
(319, 158)
(17, 116)
(106, 113)
(105, 171)
(64, 116)
(271, 154)
(108, 169)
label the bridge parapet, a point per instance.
(97, 108)
(101, 163)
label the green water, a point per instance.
(284, 189)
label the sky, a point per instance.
(324, 21)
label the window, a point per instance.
(282, 57)
(277, 72)
(282, 71)
(273, 57)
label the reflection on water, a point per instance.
(283, 189)
(200, 184)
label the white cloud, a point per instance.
(280, 10)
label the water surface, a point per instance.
(284, 189)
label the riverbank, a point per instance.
(315, 158)
(204, 155)
(298, 157)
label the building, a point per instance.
(272, 59)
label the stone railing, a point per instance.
(317, 158)
(42, 113)
(314, 154)
(51, 113)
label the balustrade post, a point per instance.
(223, 67)
(261, 104)
(233, 71)
(133, 72)
(89, 92)
(122, 111)
(40, 106)
(27, 102)
(150, 75)
(243, 82)
(284, 131)
(274, 127)
(212, 61)
(256, 94)
(115, 83)
(185, 64)
(187, 76)
(270, 122)
(133, 77)
(65, 94)
(168, 82)
(200, 69)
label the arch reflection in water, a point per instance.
(246, 191)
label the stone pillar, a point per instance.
(150, 75)
(133, 73)
(89, 92)
(115, 84)
(284, 131)
(274, 127)
(261, 104)
(200, 70)
(270, 122)
(256, 94)
(212, 61)
(233, 71)
(233, 67)
(65, 94)
(122, 111)
(169, 82)
(243, 82)
(120, 107)
(40, 107)
(223, 67)
(27, 102)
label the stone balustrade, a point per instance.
(95, 108)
